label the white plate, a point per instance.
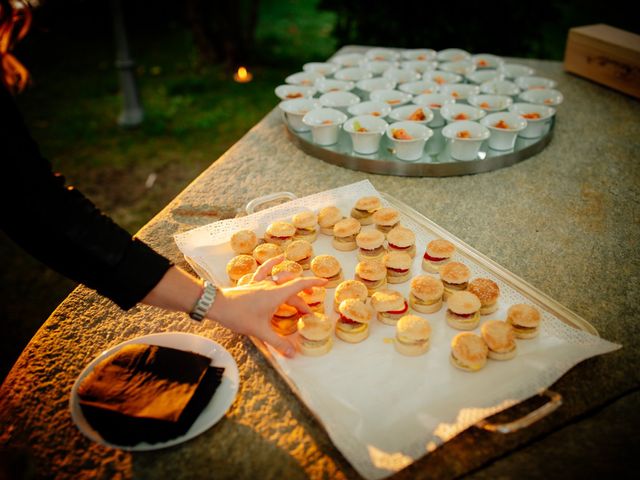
(214, 411)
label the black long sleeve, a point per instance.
(62, 228)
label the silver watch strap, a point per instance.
(205, 301)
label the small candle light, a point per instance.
(242, 75)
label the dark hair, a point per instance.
(15, 20)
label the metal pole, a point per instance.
(132, 113)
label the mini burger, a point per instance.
(373, 274)
(265, 251)
(413, 335)
(240, 266)
(463, 311)
(280, 233)
(306, 224)
(284, 320)
(500, 339)
(402, 239)
(353, 324)
(426, 294)
(314, 334)
(468, 352)
(344, 234)
(454, 276)
(524, 319)
(299, 251)
(328, 267)
(390, 306)
(364, 209)
(370, 244)
(386, 218)
(314, 298)
(398, 266)
(438, 253)
(488, 292)
(327, 218)
(288, 266)
(349, 289)
(244, 241)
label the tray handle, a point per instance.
(254, 205)
(555, 400)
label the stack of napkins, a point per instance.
(147, 393)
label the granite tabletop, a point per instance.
(566, 220)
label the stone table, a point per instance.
(566, 221)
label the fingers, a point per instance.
(283, 277)
(301, 306)
(291, 288)
(264, 270)
(283, 345)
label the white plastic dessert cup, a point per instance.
(453, 55)
(465, 139)
(538, 118)
(325, 124)
(365, 87)
(290, 92)
(456, 112)
(490, 103)
(500, 87)
(400, 75)
(442, 78)
(460, 91)
(420, 87)
(531, 82)
(339, 100)
(481, 76)
(352, 74)
(419, 54)
(294, 110)
(408, 113)
(326, 85)
(395, 98)
(411, 148)
(307, 79)
(382, 54)
(419, 66)
(378, 67)
(373, 108)
(461, 67)
(544, 96)
(365, 131)
(504, 128)
(515, 70)
(434, 102)
(348, 60)
(323, 68)
(486, 60)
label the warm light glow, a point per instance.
(242, 75)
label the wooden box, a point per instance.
(606, 55)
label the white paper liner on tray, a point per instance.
(381, 409)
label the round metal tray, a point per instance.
(436, 161)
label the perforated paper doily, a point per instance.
(383, 410)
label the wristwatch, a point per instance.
(205, 301)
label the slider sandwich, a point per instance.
(488, 292)
(266, 251)
(525, 320)
(328, 267)
(413, 335)
(244, 241)
(284, 320)
(386, 219)
(500, 339)
(370, 244)
(353, 324)
(437, 254)
(344, 234)
(454, 276)
(239, 266)
(327, 218)
(364, 209)
(468, 352)
(389, 305)
(299, 251)
(306, 224)
(280, 233)
(314, 298)
(398, 266)
(463, 311)
(349, 289)
(373, 274)
(426, 294)
(402, 240)
(314, 334)
(288, 266)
